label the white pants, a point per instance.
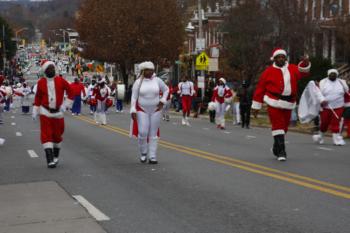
(100, 114)
(220, 114)
(236, 113)
(148, 125)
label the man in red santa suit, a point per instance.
(49, 104)
(186, 91)
(222, 96)
(334, 91)
(277, 87)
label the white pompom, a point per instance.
(211, 106)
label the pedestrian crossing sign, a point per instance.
(202, 61)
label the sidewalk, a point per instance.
(42, 207)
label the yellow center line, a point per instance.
(243, 165)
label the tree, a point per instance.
(247, 43)
(292, 31)
(127, 32)
(8, 44)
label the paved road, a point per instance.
(207, 180)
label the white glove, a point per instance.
(63, 108)
(35, 112)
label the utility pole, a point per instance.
(3, 47)
(200, 37)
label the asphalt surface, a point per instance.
(207, 180)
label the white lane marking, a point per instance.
(205, 128)
(18, 134)
(227, 132)
(32, 154)
(13, 123)
(324, 148)
(250, 137)
(96, 213)
(12, 117)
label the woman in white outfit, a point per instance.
(221, 96)
(146, 111)
(101, 93)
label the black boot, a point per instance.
(56, 154)
(275, 148)
(49, 158)
(281, 154)
(212, 116)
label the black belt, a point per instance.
(52, 110)
(288, 98)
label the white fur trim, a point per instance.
(332, 71)
(279, 52)
(256, 105)
(278, 132)
(48, 145)
(146, 65)
(279, 103)
(47, 64)
(304, 69)
(347, 105)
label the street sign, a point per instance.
(201, 82)
(202, 61)
(200, 44)
(213, 64)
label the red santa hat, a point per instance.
(46, 63)
(278, 51)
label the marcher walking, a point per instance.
(245, 95)
(49, 105)
(277, 87)
(78, 92)
(186, 92)
(333, 90)
(222, 96)
(146, 111)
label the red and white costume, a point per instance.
(101, 94)
(277, 87)
(49, 103)
(144, 102)
(335, 93)
(186, 91)
(222, 95)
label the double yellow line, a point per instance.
(325, 187)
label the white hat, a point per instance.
(222, 80)
(147, 65)
(45, 64)
(332, 71)
(102, 81)
(278, 51)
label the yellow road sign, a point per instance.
(202, 59)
